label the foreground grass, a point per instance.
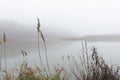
(28, 73)
(88, 67)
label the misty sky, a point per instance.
(80, 17)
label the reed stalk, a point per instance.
(87, 56)
(44, 42)
(0, 61)
(46, 55)
(4, 42)
(0, 56)
(38, 30)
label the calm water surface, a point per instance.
(56, 49)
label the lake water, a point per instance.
(56, 49)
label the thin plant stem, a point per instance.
(4, 40)
(38, 30)
(83, 60)
(44, 42)
(40, 58)
(0, 61)
(0, 56)
(87, 56)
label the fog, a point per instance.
(73, 17)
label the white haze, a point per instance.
(78, 17)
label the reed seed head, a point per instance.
(38, 26)
(4, 37)
(24, 53)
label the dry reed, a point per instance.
(38, 30)
(0, 55)
(44, 42)
(4, 41)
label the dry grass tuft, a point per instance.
(91, 66)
